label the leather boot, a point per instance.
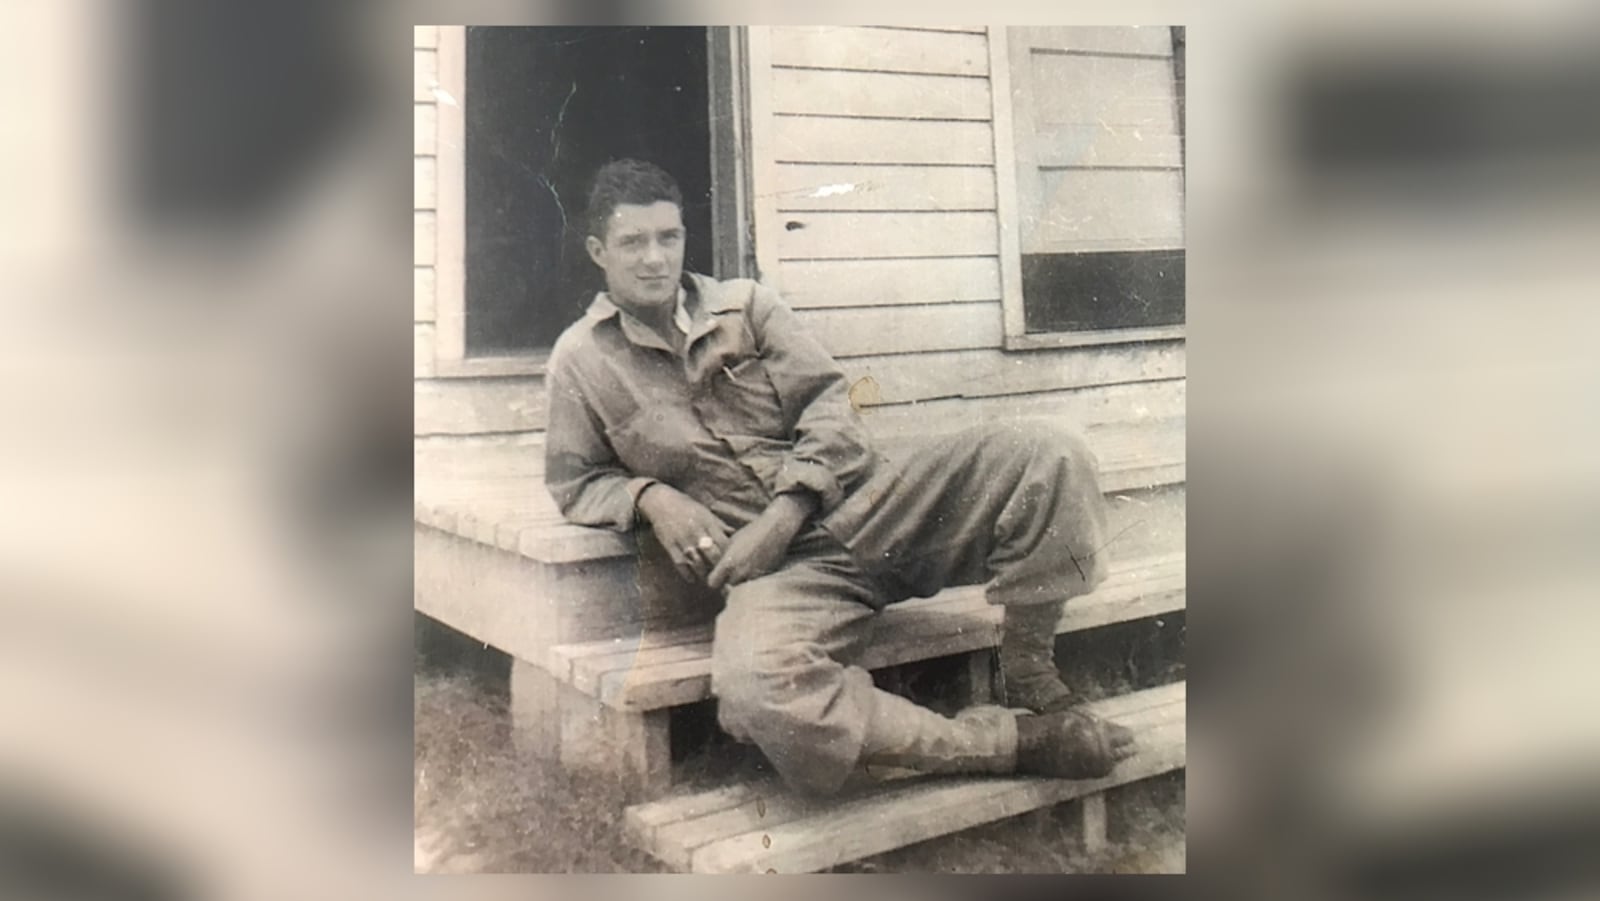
(908, 736)
(1071, 744)
(1028, 674)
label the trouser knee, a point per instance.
(764, 684)
(806, 711)
(736, 684)
(748, 674)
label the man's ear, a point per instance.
(595, 248)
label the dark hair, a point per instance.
(628, 181)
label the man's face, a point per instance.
(642, 256)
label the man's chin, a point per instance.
(656, 294)
(642, 302)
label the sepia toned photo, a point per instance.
(801, 417)
(799, 449)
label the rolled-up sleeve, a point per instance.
(581, 471)
(831, 452)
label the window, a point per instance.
(544, 108)
(1092, 182)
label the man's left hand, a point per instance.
(758, 548)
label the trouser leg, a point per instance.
(1017, 506)
(782, 675)
(1029, 676)
(903, 734)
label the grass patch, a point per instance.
(481, 808)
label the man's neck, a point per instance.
(664, 321)
(660, 322)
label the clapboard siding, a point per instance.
(424, 74)
(969, 29)
(825, 92)
(445, 457)
(845, 47)
(425, 202)
(811, 284)
(906, 378)
(823, 235)
(425, 138)
(823, 139)
(902, 424)
(1151, 40)
(424, 238)
(424, 183)
(857, 332)
(422, 350)
(459, 449)
(453, 464)
(422, 293)
(879, 159)
(1123, 383)
(885, 188)
(473, 406)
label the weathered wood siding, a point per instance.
(880, 175)
(873, 159)
(425, 198)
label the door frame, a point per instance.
(732, 214)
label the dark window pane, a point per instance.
(545, 108)
(1070, 292)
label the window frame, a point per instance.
(1008, 203)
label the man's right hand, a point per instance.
(692, 535)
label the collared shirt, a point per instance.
(753, 408)
(680, 313)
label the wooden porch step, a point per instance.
(666, 669)
(763, 828)
(498, 497)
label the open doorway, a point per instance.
(544, 108)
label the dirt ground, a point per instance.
(480, 808)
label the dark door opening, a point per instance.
(545, 108)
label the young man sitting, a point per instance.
(702, 407)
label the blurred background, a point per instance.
(1394, 468)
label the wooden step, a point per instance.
(762, 828)
(670, 668)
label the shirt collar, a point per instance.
(680, 314)
(712, 300)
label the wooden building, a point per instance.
(978, 222)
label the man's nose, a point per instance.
(655, 254)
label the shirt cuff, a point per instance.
(636, 487)
(812, 477)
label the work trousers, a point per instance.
(1015, 507)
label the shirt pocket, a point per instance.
(656, 442)
(745, 400)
